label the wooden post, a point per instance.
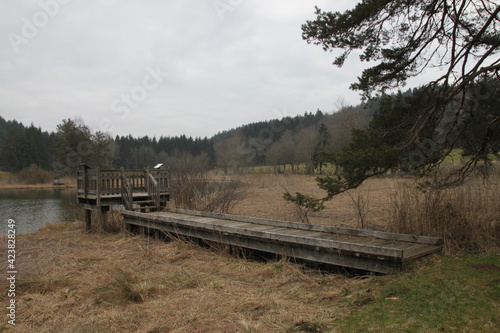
(85, 182)
(104, 210)
(88, 219)
(98, 186)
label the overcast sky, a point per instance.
(165, 68)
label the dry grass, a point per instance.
(9, 181)
(69, 281)
(467, 217)
(114, 222)
(72, 281)
(265, 199)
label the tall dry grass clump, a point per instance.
(114, 222)
(467, 217)
(192, 186)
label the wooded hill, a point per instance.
(290, 140)
(306, 140)
(285, 143)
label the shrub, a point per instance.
(5, 177)
(125, 287)
(192, 187)
(33, 175)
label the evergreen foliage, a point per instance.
(403, 38)
(417, 132)
(320, 154)
(21, 147)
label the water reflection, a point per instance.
(32, 209)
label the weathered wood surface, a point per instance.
(110, 187)
(98, 189)
(361, 249)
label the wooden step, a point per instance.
(150, 208)
(139, 202)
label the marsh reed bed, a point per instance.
(467, 216)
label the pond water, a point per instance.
(32, 209)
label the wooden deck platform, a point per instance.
(367, 250)
(98, 190)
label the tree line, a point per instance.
(74, 144)
(363, 139)
(286, 141)
(22, 146)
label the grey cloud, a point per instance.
(221, 72)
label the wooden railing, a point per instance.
(127, 194)
(103, 183)
(95, 182)
(153, 188)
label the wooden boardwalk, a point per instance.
(144, 193)
(366, 250)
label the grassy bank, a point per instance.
(69, 281)
(33, 177)
(33, 187)
(9, 181)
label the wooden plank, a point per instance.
(231, 224)
(259, 227)
(274, 230)
(387, 252)
(329, 236)
(317, 234)
(296, 236)
(419, 251)
(404, 246)
(298, 232)
(324, 228)
(327, 256)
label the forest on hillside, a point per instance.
(310, 141)
(286, 141)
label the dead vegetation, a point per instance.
(467, 217)
(72, 281)
(192, 186)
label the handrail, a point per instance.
(153, 188)
(127, 195)
(96, 186)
